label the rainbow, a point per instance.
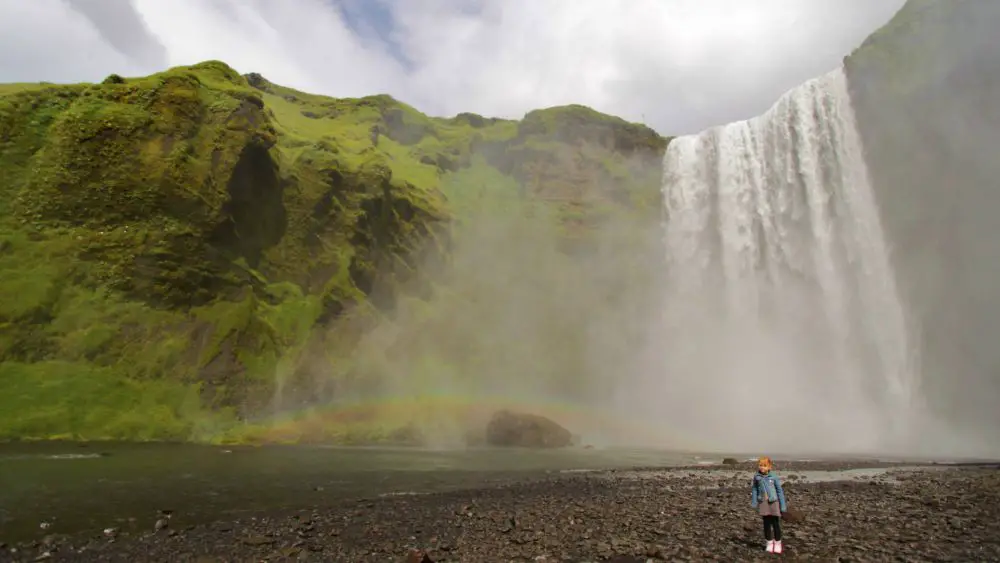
(451, 417)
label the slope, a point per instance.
(171, 245)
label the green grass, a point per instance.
(67, 400)
(909, 49)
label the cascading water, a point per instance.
(784, 326)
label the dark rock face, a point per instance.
(508, 428)
(254, 218)
(925, 91)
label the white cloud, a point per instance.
(679, 65)
(300, 43)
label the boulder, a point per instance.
(508, 428)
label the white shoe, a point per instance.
(770, 546)
(777, 546)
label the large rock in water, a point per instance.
(508, 428)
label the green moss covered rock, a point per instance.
(182, 238)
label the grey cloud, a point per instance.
(46, 40)
(123, 28)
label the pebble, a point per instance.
(646, 515)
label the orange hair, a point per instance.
(765, 461)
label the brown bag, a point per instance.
(792, 515)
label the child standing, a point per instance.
(768, 497)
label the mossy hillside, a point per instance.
(134, 245)
(582, 161)
(923, 37)
(188, 234)
(590, 168)
(138, 173)
(513, 315)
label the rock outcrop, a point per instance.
(507, 428)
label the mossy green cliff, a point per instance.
(171, 245)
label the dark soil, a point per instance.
(638, 515)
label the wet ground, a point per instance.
(85, 488)
(850, 512)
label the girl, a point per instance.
(766, 493)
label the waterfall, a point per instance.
(783, 325)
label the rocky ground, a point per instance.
(694, 514)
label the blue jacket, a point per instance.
(758, 493)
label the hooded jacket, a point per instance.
(767, 488)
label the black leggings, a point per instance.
(772, 527)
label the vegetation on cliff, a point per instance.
(181, 254)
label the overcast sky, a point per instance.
(678, 65)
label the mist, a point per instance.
(926, 92)
(836, 298)
(592, 314)
(540, 307)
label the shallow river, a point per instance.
(84, 488)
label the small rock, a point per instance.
(259, 540)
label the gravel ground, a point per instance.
(690, 514)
